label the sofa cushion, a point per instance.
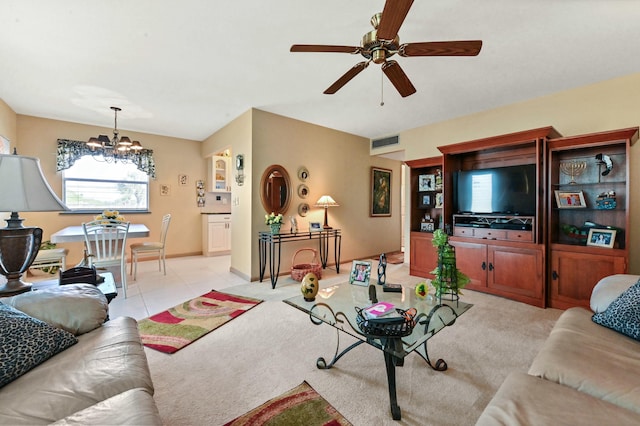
(609, 289)
(26, 342)
(76, 308)
(623, 315)
(105, 362)
(592, 359)
(526, 400)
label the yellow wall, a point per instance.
(603, 106)
(37, 137)
(7, 123)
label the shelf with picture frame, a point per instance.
(591, 170)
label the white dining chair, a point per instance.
(106, 242)
(151, 248)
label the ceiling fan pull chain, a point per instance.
(381, 87)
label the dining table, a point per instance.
(75, 233)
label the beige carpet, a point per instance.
(274, 347)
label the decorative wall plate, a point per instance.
(303, 173)
(303, 190)
(303, 209)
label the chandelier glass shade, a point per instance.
(116, 148)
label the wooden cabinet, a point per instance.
(575, 273)
(512, 271)
(423, 256)
(593, 171)
(220, 173)
(216, 231)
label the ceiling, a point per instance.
(186, 68)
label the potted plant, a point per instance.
(274, 221)
(448, 279)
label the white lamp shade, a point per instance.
(23, 187)
(326, 201)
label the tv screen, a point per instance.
(501, 190)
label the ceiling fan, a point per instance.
(379, 45)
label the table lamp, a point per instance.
(22, 188)
(326, 201)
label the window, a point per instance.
(92, 184)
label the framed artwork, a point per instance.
(425, 200)
(303, 173)
(165, 189)
(303, 209)
(360, 273)
(315, 226)
(570, 199)
(380, 192)
(426, 183)
(601, 237)
(303, 190)
(183, 179)
(439, 200)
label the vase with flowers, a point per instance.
(108, 216)
(274, 221)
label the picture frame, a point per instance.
(601, 237)
(380, 192)
(165, 189)
(315, 226)
(439, 200)
(425, 200)
(427, 226)
(183, 179)
(303, 173)
(303, 209)
(303, 190)
(426, 183)
(570, 199)
(360, 273)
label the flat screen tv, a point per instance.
(501, 190)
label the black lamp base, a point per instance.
(12, 289)
(18, 250)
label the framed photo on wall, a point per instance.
(360, 273)
(426, 183)
(380, 192)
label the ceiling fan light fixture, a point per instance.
(379, 56)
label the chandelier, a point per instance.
(117, 148)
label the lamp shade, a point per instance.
(326, 201)
(23, 187)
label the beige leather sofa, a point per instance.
(102, 379)
(585, 374)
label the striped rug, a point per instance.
(175, 328)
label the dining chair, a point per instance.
(106, 242)
(151, 248)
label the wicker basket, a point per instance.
(398, 326)
(299, 270)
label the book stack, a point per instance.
(378, 310)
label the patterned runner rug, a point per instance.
(301, 405)
(175, 328)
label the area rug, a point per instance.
(175, 328)
(394, 258)
(301, 405)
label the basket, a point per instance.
(299, 270)
(397, 326)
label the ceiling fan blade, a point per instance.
(393, 16)
(355, 70)
(441, 48)
(399, 79)
(324, 48)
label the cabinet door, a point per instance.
(217, 237)
(573, 276)
(517, 273)
(424, 257)
(471, 260)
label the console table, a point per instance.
(270, 248)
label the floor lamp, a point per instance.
(326, 201)
(22, 188)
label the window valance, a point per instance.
(69, 151)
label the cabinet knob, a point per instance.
(554, 275)
(484, 266)
(490, 266)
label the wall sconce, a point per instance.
(240, 169)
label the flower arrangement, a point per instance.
(273, 219)
(110, 215)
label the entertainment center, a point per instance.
(520, 209)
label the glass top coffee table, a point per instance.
(336, 306)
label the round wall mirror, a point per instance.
(275, 189)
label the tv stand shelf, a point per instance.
(494, 227)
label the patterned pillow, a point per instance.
(26, 342)
(623, 314)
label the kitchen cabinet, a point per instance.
(216, 229)
(220, 174)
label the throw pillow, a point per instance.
(26, 342)
(623, 314)
(608, 289)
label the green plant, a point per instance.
(447, 276)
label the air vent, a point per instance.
(379, 143)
